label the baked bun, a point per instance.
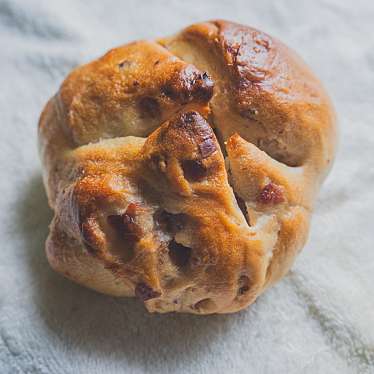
(184, 170)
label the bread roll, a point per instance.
(184, 170)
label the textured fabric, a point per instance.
(319, 319)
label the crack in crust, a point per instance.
(148, 203)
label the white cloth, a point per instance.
(319, 319)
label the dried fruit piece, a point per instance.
(179, 254)
(144, 292)
(150, 107)
(271, 194)
(207, 147)
(170, 222)
(188, 85)
(193, 170)
(125, 224)
(243, 285)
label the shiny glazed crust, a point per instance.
(184, 170)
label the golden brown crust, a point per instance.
(262, 86)
(150, 201)
(129, 91)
